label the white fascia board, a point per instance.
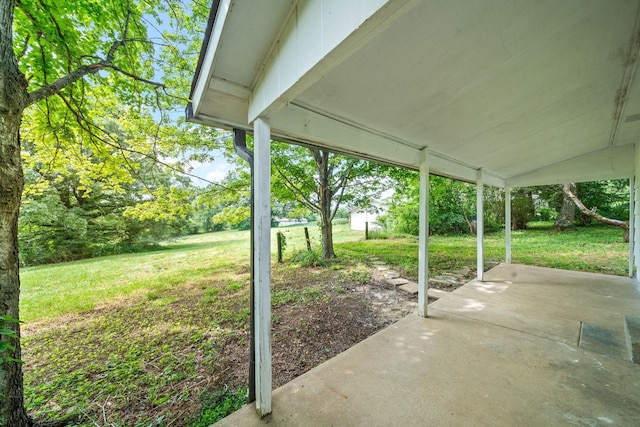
(215, 122)
(317, 36)
(301, 125)
(441, 165)
(231, 88)
(604, 164)
(207, 64)
(297, 124)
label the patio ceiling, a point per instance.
(531, 92)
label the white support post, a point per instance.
(636, 212)
(636, 220)
(632, 203)
(480, 224)
(262, 264)
(507, 224)
(423, 239)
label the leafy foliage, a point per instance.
(101, 152)
(5, 333)
(63, 219)
(452, 205)
(306, 258)
(522, 208)
(608, 198)
(322, 182)
(218, 405)
(81, 90)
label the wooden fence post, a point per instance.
(280, 236)
(306, 235)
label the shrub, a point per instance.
(309, 259)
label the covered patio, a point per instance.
(527, 346)
(497, 93)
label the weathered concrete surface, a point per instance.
(503, 352)
(397, 281)
(609, 341)
(412, 288)
(391, 274)
(434, 293)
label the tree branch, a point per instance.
(302, 198)
(85, 124)
(593, 214)
(25, 46)
(84, 70)
(342, 187)
(134, 77)
(61, 83)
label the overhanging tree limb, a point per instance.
(593, 214)
(293, 188)
(343, 184)
(84, 70)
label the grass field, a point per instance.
(134, 339)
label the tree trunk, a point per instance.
(325, 195)
(593, 214)
(13, 100)
(327, 239)
(567, 213)
(12, 412)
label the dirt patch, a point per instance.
(307, 334)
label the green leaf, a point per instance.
(4, 346)
(10, 319)
(8, 332)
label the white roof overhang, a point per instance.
(530, 92)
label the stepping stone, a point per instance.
(378, 262)
(374, 258)
(411, 287)
(446, 278)
(391, 274)
(397, 281)
(441, 282)
(463, 271)
(382, 268)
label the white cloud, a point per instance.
(218, 173)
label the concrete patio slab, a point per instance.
(503, 352)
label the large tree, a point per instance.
(61, 62)
(567, 210)
(599, 200)
(322, 182)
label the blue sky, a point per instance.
(210, 171)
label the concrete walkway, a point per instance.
(528, 346)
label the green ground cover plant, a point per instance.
(148, 339)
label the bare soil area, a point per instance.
(307, 334)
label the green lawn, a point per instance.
(133, 339)
(595, 248)
(52, 290)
